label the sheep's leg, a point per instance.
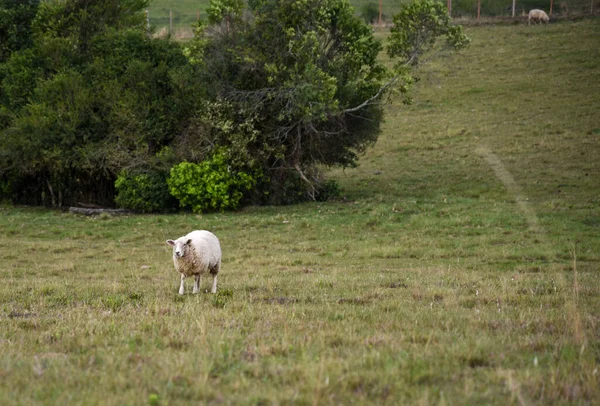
(181, 289)
(196, 283)
(214, 286)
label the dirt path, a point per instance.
(511, 186)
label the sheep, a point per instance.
(195, 254)
(538, 15)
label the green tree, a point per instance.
(306, 74)
(416, 30)
(279, 88)
(15, 25)
(91, 96)
(291, 69)
(16, 17)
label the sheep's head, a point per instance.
(180, 246)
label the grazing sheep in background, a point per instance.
(538, 15)
(195, 254)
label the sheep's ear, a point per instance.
(171, 242)
(188, 242)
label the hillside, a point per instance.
(461, 266)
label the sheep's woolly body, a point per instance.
(202, 255)
(538, 15)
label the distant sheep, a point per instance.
(197, 253)
(538, 15)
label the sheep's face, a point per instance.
(180, 247)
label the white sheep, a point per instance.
(197, 253)
(538, 15)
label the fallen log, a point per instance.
(94, 212)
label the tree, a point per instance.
(289, 70)
(90, 97)
(271, 90)
(416, 30)
(303, 77)
(15, 25)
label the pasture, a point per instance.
(461, 266)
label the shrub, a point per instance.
(327, 190)
(210, 185)
(144, 192)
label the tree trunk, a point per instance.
(51, 193)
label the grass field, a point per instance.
(462, 267)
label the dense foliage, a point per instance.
(417, 28)
(15, 25)
(144, 192)
(305, 74)
(292, 69)
(210, 185)
(92, 95)
(271, 90)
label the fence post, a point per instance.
(380, 13)
(450, 8)
(551, 6)
(513, 8)
(478, 9)
(170, 22)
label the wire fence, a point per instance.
(179, 23)
(494, 8)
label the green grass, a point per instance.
(461, 268)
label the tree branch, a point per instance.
(312, 190)
(371, 99)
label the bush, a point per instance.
(210, 185)
(327, 190)
(144, 192)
